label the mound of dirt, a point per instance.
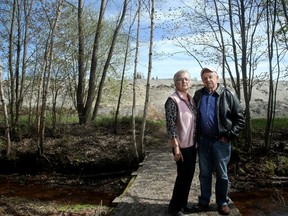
(160, 89)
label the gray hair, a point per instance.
(182, 71)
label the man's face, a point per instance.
(210, 80)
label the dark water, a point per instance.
(261, 203)
(71, 194)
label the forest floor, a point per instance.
(83, 163)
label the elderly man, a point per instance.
(220, 119)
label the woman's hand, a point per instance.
(176, 149)
(177, 153)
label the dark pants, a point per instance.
(185, 173)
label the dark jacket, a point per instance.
(230, 115)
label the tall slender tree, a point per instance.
(150, 63)
(94, 63)
(123, 70)
(46, 75)
(5, 116)
(21, 79)
(271, 16)
(10, 63)
(81, 65)
(135, 78)
(108, 60)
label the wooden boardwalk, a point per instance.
(150, 190)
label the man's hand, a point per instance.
(224, 139)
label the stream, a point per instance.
(273, 202)
(71, 195)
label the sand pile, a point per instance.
(160, 89)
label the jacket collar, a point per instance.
(218, 90)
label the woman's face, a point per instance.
(182, 82)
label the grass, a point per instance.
(127, 122)
(257, 124)
(80, 208)
(260, 124)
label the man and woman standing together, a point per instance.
(210, 120)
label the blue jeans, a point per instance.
(214, 155)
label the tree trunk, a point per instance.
(81, 67)
(236, 87)
(10, 65)
(123, 74)
(222, 47)
(5, 116)
(21, 80)
(31, 97)
(15, 128)
(245, 76)
(94, 63)
(107, 63)
(121, 84)
(48, 61)
(147, 100)
(135, 79)
(284, 5)
(271, 20)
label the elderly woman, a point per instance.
(180, 123)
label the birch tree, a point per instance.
(147, 96)
(127, 50)
(46, 74)
(135, 78)
(108, 60)
(81, 66)
(5, 116)
(10, 63)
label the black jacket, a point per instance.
(230, 115)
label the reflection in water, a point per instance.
(272, 203)
(65, 195)
(260, 203)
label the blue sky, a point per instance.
(165, 67)
(162, 67)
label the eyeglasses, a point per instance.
(183, 79)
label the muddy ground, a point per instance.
(89, 167)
